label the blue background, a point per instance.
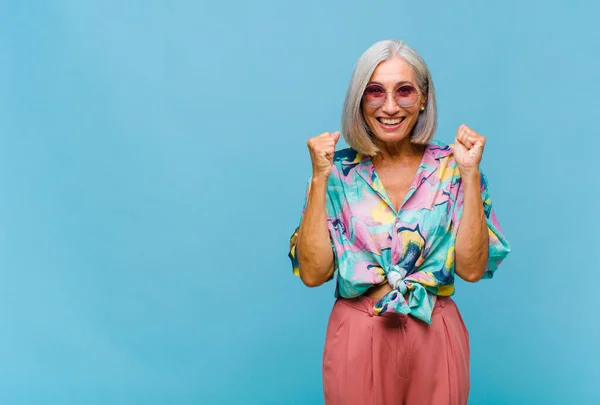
(153, 160)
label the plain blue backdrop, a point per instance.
(153, 161)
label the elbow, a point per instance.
(314, 278)
(472, 273)
(310, 281)
(472, 268)
(473, 277)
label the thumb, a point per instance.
(335, 136)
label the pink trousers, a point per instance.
(395, 359)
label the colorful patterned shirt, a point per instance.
(412, 249)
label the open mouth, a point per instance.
(390, 122)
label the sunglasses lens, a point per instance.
(406, 96)
(374, 95)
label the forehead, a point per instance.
(392, 71)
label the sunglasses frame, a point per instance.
(419, 94)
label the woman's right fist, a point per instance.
(322, 149)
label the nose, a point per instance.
(390, 106)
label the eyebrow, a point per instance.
(395, 85)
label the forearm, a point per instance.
(472, 240)
(315, 256)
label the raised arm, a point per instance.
(472, 239)
(313, 246)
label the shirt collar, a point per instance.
(429, 165)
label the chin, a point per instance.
(391, 137)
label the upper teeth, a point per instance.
(390, 122)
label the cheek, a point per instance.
(414, 116)
(367, 113)
(369, 116)
(412, 121)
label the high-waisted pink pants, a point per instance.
(395, 359)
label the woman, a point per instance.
(397, 215)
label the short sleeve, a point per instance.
(292, 254)
(499, 247)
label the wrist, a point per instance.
(471, 175)
(318, 186)
(319, 179)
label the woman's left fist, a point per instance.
(468, 149)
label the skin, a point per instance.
(315, 257)
(396, 164)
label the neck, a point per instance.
(397, 151)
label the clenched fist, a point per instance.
(322, 149)
(468, 149)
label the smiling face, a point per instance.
(393, 119)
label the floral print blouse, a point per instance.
(412, 249)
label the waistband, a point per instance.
(365, 304)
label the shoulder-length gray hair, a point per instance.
(354, 127)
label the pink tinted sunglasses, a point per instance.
(405, 96)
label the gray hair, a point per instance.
(354, 127)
